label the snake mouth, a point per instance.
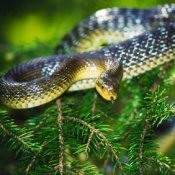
(106, 93)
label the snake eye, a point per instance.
(102, 87)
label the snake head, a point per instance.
(107, 87)
(107, 84)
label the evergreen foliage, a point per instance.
(82, 134)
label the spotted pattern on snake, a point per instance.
(113, 25)
(137, 39)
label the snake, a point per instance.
(111, 45)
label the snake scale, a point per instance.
(109, 46)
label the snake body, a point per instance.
(113, 25)
(138, 40)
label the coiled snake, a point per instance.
(136, 40)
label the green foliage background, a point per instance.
(93, 137)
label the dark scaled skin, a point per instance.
(107, 84)
(145, 37)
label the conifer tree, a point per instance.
(80, 133)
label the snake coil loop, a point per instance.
(137, 40)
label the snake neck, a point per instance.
(82, 68)
(29, 91)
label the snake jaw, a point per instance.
(106, 90)
(107, 84)
(106, 93)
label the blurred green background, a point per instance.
(32, 28)
(27, 22)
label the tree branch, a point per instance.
(142, 138)
(61, 138)
(102, 136)
(30, 165)
(18, 138)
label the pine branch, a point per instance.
(154, 110)
(20, 138)
(54, 143)
(34, 159)
(100, 135)
(164, 162)
(141, 145)
(61, 138)
(87, 149)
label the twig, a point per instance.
(61, 138)
(94, 104)
(102, 136)
(142, 138)
(9, 133)
(29, 167)
(162, 163)
(88, 143)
